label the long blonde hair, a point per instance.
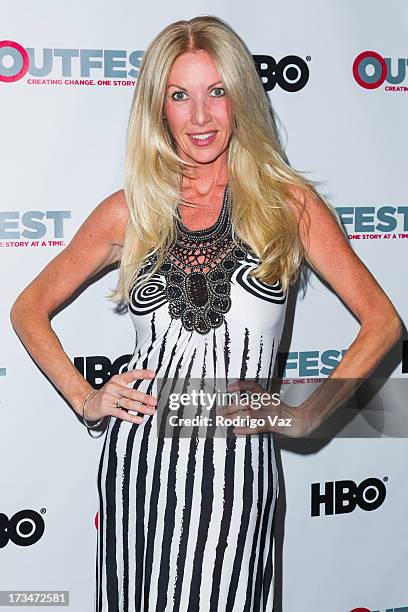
(258, 174)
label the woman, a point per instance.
(211, 228)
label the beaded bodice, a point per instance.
(198, 272)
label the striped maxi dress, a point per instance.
(185, 521)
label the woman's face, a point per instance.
(196, 104)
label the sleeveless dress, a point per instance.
(185, 522)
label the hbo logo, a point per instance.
(291, 73)
(344, 495)
(24, 528)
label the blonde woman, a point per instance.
(210, 230)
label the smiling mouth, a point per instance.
(203, 137)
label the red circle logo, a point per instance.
(25, 60)
(362, 79)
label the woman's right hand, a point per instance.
(103, 403)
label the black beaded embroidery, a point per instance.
(201, 298)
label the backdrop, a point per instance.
(336, 74)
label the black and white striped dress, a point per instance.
(185, 522)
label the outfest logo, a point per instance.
(371, 70)
(33, 228)
(115, 67)
(374, 222)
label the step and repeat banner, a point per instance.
(336, 74)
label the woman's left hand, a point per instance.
(272, 415)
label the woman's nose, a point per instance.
(201, 112)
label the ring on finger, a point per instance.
(118, 402)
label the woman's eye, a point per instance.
(221, 89)
(176, 93)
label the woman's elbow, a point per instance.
(14, 312)
(392, 328)
(387, 327)
(397, 328)
(18, 308)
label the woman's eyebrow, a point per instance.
(179, 86)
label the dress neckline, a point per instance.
(208, 231)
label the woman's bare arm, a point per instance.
(331, 256)
(95, 245)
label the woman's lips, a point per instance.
(203, 142)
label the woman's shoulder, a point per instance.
(116, 208)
